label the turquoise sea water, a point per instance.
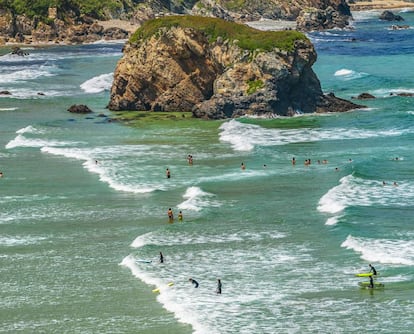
(84, 201)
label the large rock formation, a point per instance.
(179, 68)
(311, 19)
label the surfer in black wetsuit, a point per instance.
(371, 282)
(193, 281)
(372, 270)
(161, 258)
(218, 291)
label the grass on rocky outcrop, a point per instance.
(247, 38)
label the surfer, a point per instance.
(371, 282)
(161, 258)
(194, 282)
(372, 270)
(170, 215)
(218, 290)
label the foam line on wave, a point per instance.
(386, 251)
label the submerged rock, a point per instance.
(365, 96)
(390, 16)
(79, 109)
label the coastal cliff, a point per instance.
(81, 21)
(218, 69)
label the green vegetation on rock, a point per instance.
(246, 37)
(234, 4)
(39, 8)
(144, 119)
(254, 85)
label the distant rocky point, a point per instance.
(81, 21)
(219, 69)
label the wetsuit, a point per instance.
(371, 282)
(374, 272)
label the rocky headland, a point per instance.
(83, 22)
(219, 69)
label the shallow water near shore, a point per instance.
(83, 211)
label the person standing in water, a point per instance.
(170, 215)
(168, 173)
(371, 282)
(180, 216)
(372, 270)
(161, 258)
(218, 290)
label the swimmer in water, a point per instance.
(194, 282)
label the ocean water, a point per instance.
(83, 205)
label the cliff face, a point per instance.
(179, 69)
(170, 72)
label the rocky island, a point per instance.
(219, 69)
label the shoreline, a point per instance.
(380, 5)
(130, 27)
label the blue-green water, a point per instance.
(84, 200)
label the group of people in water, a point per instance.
(194, 282)
(170, 214)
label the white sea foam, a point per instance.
(364, 15)
(384, 251)
(171, 239)
(8, 109)
(386, 92)
(98, 84)
(406, 10)
(19, 240)
(22, 141)
(354, 191)
(347, 74)
(332, 220)
(230, 132)
(336, 199)
(29, 129)
(197, 199)
(244, 137)
(108, 173)
(27, 74)
(27, 93)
